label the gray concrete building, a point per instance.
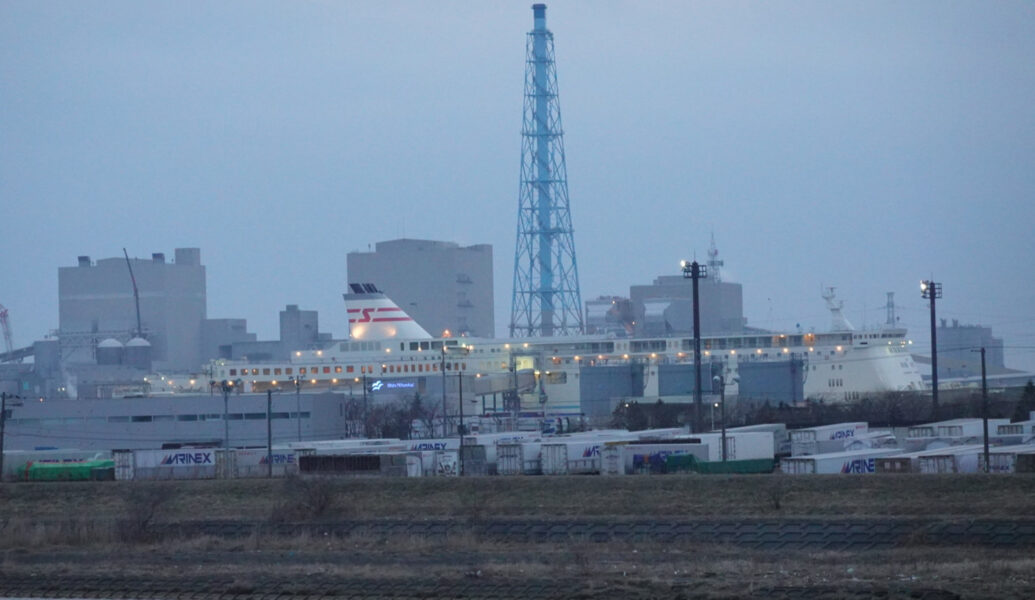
(442, 285)
(95, 302)
(665, 307)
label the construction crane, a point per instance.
(6, 325)
(136, 293)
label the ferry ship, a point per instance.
(388, 352)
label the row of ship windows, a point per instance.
(835, 383)
(403, 368)
(80, 421)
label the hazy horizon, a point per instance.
(860, 145)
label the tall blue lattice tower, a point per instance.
(547, 300)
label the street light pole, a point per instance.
(226, 416)
(695, 272)
(298, 405)
(460, 381)
(721, 380)
(932, 290)
(269, 434)
(445, 432)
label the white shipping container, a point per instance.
(576, 455)
(855, 462)
(414, 464)
(740, 445)
(915, 456)
(824, 438)
(253, 463)
(184, 463)
(523, 458)
(492, 441)
(447, 463)
(639, 458)
(781, 437)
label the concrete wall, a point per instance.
(132, 423)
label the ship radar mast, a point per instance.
(713, 262)
(890, 319)
(838, 322)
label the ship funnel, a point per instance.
(373, 316)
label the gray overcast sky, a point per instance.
(864, 145)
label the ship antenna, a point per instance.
(713, 262)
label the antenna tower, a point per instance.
(546, 301)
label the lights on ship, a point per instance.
(732, 352)
(758, 351)
(707, 352)
(811, 349)
(839, 348)
(312, 381)
(786, 350)
(274, 382)
(297, 353)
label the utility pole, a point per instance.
(460, 381)
(696, 272)
(269, 434)
(366, 409)
(932, 290)
(226, 409)
(984, 408)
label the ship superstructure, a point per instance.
(545, 374)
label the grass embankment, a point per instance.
(94, 538)
(664, 496)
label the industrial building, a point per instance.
(96, 302)
(442, 285)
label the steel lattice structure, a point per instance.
(546, 299)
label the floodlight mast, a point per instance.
(932, 290)
(695, 272)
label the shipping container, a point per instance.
(781, 437)
(955, 432)
(643, 457)
(523, 458)
(492, 441)
(576, 455)
(882, 438)
(740, 445)
(824, 439)
(1004, 459)
(909, 462)
(182, 463)
(255, 463)
(447, 463)
(856, 462)
(16, 460)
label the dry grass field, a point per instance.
(120, 539)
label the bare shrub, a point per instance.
(774, 493)
(304, 498)
(141, 503)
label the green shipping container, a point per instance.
(69, 471)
